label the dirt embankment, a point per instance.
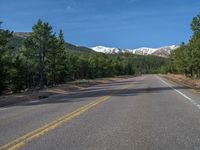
(181, 79)
(7, 100)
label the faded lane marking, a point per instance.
(33, 102)
(21, 141)
(179, 92)
(4, 108)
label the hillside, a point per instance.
(19, 37)
(74, 48)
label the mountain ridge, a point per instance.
(19, 37)
(162, 51)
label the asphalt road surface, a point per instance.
(141, 113)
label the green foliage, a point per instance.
(195, 26)
(5, 37)
(44, 59)
(18, 75)
(186, 58)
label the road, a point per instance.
(141, 113)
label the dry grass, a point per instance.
(192, 83)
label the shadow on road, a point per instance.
(85, 95)
(101, 90)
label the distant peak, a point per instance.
(22, 34)
(162, 51)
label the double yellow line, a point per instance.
(21, 141)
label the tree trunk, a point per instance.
(41, 69)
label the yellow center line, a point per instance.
(43, 127)
(21, 141)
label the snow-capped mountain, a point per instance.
(141, 51)
(107, 50)
(162, 51)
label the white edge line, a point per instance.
(179, 92)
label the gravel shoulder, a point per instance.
(193, 84)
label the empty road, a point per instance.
(141, 113)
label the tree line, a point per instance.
(186, 59)
(43, 60)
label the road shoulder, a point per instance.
(14, 99)
(191, 84)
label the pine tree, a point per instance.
(40, 39)
(185, 59)
(5, 37)
(62, 64)
(195, 44)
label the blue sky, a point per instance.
(116, 23)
